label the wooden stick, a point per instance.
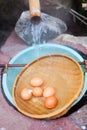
(22, 65)
(12, 65)
(82, 63)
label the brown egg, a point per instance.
(37, 91)
(36, 82)
(51, 102)
(26, 94)
(49, 91)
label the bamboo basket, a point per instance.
(59, 71)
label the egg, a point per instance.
(36, 82)
(49, 91)
(26, 94)
(37, 91)
(51, 102)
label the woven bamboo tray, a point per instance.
(59, 71)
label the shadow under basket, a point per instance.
(59, 71)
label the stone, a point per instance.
(74, 39)
(80, 117)
(77, 42)
(51, 27)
